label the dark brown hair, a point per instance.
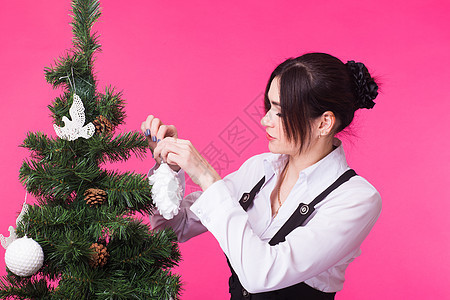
(315, 83)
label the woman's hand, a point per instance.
(182, 153)
(155, 131)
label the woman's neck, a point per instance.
(300, 161)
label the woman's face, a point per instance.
(272, 121)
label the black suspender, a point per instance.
(247, 198)
(297, 219)
(305, 210)
(301, 213)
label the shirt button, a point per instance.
(245, 293)
(199, 211)
(207, 220)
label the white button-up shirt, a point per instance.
(317, 253)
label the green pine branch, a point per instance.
(69, 66)
(118, 148)
(48, 149)
(74, 70)
(85, 13)
(77, 64)
(160, 285)
(50, 223)
(53, 183)
(128, 191)
(112, 106)
(100, 148)
(15, 287)
(151, 252)
(145, 264)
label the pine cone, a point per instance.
(102, 125)
(100, 256)
(95, 197)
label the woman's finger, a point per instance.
(166, 150)
(157, 151)
(165, 146)
(178, 155)
(145, 128)
(167, 131)
(146, 125)
(183, 154)
(161, 134)
(187, 157)
(154, 127)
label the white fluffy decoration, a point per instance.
(74, 129)
(24, 257)
(167, 191)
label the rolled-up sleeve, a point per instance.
(185, 224)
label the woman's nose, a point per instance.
(266, 120)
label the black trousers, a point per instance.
(300, 291)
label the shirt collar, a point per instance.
(318, 176)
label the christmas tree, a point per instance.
(94, 247)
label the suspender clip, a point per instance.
(304, 209)
(245, 197)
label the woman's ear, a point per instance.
(327, 123)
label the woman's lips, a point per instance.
(269, 137)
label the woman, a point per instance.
(289, 221)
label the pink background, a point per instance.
(202, 64)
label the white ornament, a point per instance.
(167, 191)
(24, 257)
(75, 128)
(6, 241)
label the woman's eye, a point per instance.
(280, 115)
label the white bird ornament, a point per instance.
(74, 129)
(6, 241)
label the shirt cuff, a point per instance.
(214, 203)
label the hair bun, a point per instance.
(366, 87)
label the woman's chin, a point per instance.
(273, 149)
(278, 149)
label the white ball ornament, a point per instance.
(24, 257)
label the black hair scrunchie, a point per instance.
(366, 87)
